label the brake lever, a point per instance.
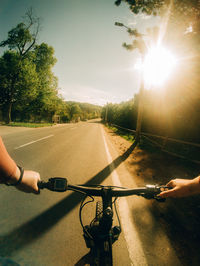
(162, 188)
(154, 190)
(159, 199)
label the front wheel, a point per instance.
(101, 254)
(99, 210)
(106, 253)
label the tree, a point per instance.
(44, 57)
(18, 81)
(184, 12)
(18, 73)
(27, 68)
(47, 90)
(75, 111)
(148, 7)
(123, 114)
(180, 24)
(23, 37)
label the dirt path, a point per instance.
(180, 218)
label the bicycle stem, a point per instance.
(107, 218)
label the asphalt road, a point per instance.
(44, 229)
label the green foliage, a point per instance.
(151, 7)
(23, 37)
(18, 81)
(18, 38)
(83, 111)
(123, 114)
(123, 133)
(181, 14)
(32, 125)
(74, 111)
(187, 8)
(43, 57)
(47, 100)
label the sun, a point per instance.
(158, 64)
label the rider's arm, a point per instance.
(182, 188)
(8, 168)
(10, 173)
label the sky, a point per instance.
(92, 66)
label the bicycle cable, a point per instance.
(116, 211)
(80, 213)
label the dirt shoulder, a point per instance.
(180, 218)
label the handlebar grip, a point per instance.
(57, 184)
(41, 184)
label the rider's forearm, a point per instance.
(193, 186)
(8, 168)
(196, 182)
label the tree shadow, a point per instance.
(35, 228)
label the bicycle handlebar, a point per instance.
(59, 184)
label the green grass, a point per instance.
(143, 144)
(122, 133)
(33, 125)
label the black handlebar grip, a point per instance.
(57, 184)
(41, 184)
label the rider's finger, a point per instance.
(167, 193)
(171, 183)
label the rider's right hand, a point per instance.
(182, 188)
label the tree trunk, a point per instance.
(8, 115)
(140, 112)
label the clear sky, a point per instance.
(92, 65)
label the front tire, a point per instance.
(104, 250)
(99, 210)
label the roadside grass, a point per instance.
(144, 143)
(183, 151)
(32, 125)
(122, 133)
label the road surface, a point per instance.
(44, 229)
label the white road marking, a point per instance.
(136, 252)
(31, 142)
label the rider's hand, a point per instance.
(29, 181)
(182, 188)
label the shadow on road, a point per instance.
(28, 232)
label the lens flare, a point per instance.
(158, 65)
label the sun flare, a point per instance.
(158, 64)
